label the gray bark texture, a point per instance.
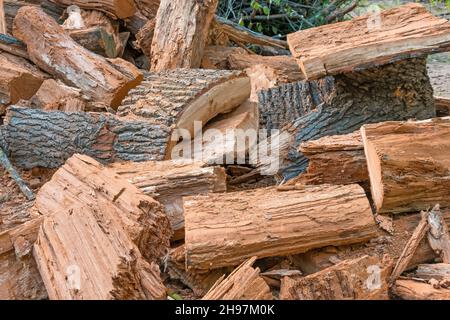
(396, 91)
(37, 138)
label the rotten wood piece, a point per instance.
(114, 8)
(334, 160)
(408, 164)
(410, 248)
(310, 217)
(368, 41)
(187, 96)
(363, 278)
(169, 181)
(244, 283)
(415, 290)
(91, 214)
(438, 235)
(181, 33)
(105, 81)
(279, 69)
(397, 91)
(20, 278)
(37, 138)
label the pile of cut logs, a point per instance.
(95, 97)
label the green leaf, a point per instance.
(266, 10)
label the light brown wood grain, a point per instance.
(364, 41)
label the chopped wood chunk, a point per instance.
(415, 290)
(181, 33)
(369, 40)
(363, 278)
(408, 164)
(244, 283)
(114, 8)
(92, 217)
(168, 181)
(225, 229)
(334, 160)
(53, 50)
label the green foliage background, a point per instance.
(279, 17)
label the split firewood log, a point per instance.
(168, 181)
(442, 106)
(438, 235)
(90, 214)
(226, 139)
(307, 216)
(187, 95)
(279, 69)
(114, 8)
(149, 8)
(144, 38)
(181, 33)
(363, 278)
(408, 165)
(216, 57)
(369, 40)
(334, 160)
(106, 81)
(20, 278)
(199, 281)
(416, 290)
(244, 283)
(55, 95)
(37, 138)
(3, 29)
(397, 91)
(19, 79)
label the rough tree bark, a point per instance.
(349, 279)
(36, 138)
(369, 40)
(149, 8)
(181, 33)
(144, 38)
(267, 222)
(244, 283)
(52, 49)
(169, 181)
(408, 164)
(397, 91)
